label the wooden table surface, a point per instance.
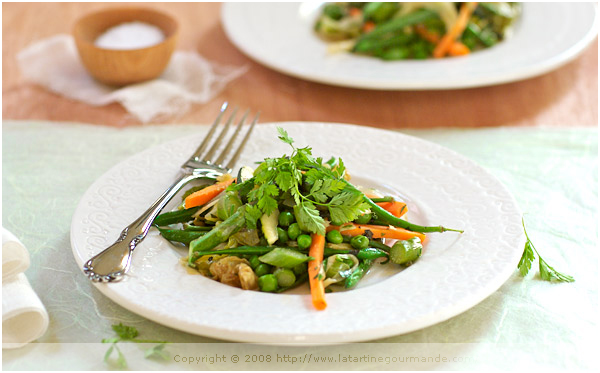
(567, 96)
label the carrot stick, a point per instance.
(317, 290)
(368, 26)
(396, 208)
(203, 196)
(458, 49)
(457, 29)
(355, 12)
(430, 36)
(379, 231)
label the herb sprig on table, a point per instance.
(547, 273)
(129, 334)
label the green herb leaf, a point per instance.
(252, 214)
(283, 136)
(547, 273)
(157, 352)
(125, 332)
(285, 180)
(346, 206)
(309, 219)
(526, 260)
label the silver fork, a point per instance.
(112, 263)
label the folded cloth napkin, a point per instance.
(54, 64)
(24, 318)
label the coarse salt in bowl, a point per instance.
(123, 46)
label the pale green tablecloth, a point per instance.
(553, 173)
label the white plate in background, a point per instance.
(281, 36)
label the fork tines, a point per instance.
(219, 161)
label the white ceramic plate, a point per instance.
(455, 272)
(280, 36)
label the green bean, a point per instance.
(379, 245)
(173, 217)
(399, 23)
(178, 235)
(383, 199)
(360, 271)
(390, 219)
(371, 45)
(371, 253)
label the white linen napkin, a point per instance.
(54, 64)
(24, 317)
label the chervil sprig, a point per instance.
(129, 334)
(547, 273)
(311, 185)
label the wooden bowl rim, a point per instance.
(81, 22)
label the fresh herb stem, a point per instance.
(547, 273)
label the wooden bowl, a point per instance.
(120, 67)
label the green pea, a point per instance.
(267, 283)
(286, 218)
(285, 277)
(359, 242)
(254, 262)
(300, 269)
(304, 241)
(334, 236)
(282, 234)
(294, 231)
(262, 269)
(363, 219)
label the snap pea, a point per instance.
(285, 258)
(390, 219)
(174, 217)
(198, 228)
(217, 235)
(358, 273)
(178, 235)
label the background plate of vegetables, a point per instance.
(411, 46)
(445, 235)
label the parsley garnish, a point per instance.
(313, 187)
(129, 334)
(547, 273)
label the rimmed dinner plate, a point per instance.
(280, 36)
(440, 186)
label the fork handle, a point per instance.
(112, 263)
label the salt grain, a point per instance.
(130, 35)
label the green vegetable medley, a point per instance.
(294, 219)
(417, 30)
